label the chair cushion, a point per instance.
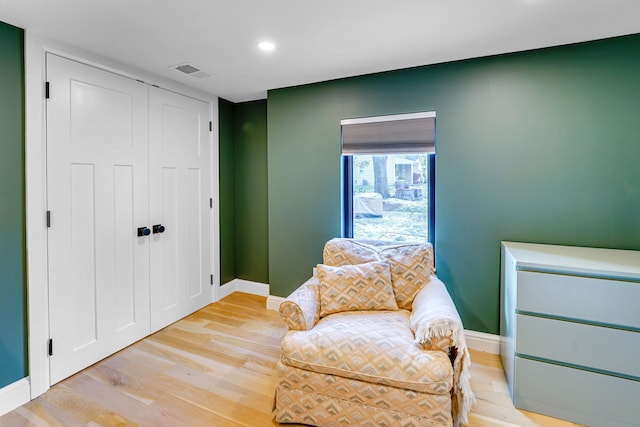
(341, 251)
(355, 287)
(373, 346)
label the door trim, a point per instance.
(36, 47)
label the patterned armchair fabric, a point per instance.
(301, 310)
(411, 264)
(375, 367)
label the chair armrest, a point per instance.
(435, 321)
(301, 309)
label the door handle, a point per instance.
(143, 231)
(158, 228)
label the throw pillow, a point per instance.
(355, 287)
(411, 265)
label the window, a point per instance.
(389, 177)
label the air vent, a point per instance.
(191, 70)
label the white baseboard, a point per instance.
(482, 341)
(273, 302)
(240, 285)
(254, 288)
(227, 289)
(14, 395)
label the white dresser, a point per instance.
(570, 327)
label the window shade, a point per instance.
(416, 135)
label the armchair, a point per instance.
(374, 340)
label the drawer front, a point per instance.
(606, 349)
(584, 397)
(585, 298)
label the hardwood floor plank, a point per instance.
(548, 421)
(179, 397)
(153, 350)
(138, 411)
(43, 413)
(216, 367)
(74, 403)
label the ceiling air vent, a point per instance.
(191, 70)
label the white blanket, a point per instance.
(435, 316)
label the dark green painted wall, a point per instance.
(251, 205)
(243, 191)
(227, 184)
(540, 146)
(13, 346)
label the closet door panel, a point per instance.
(97, 187)
(195, 211)
(179, 162)
(124, 246)
(166, 244)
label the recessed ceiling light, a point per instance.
(266, 46)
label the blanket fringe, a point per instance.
(462, 396)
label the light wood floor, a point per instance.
(215, 368)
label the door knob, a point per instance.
(158, 228)
(143, 231)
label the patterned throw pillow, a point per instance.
(341, 251)
(411, 265)
(355, 287)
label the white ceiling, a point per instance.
(316, 40)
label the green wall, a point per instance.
(243, 191)
(251, 205)
(13, 345)
(226, 152)
(539, 146)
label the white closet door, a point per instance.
(97, 181)
(179, 162)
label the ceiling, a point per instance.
(316, 40)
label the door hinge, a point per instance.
(211, 279)
(48, 219)
(46, 90)
(50, 347)
(210, 126)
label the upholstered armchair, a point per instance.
(374, 340)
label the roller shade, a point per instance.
(389, 135)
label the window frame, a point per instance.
(347, 196)
(348, 219)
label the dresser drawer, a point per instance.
(572, 394)
(591, 299)
(600, 348)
